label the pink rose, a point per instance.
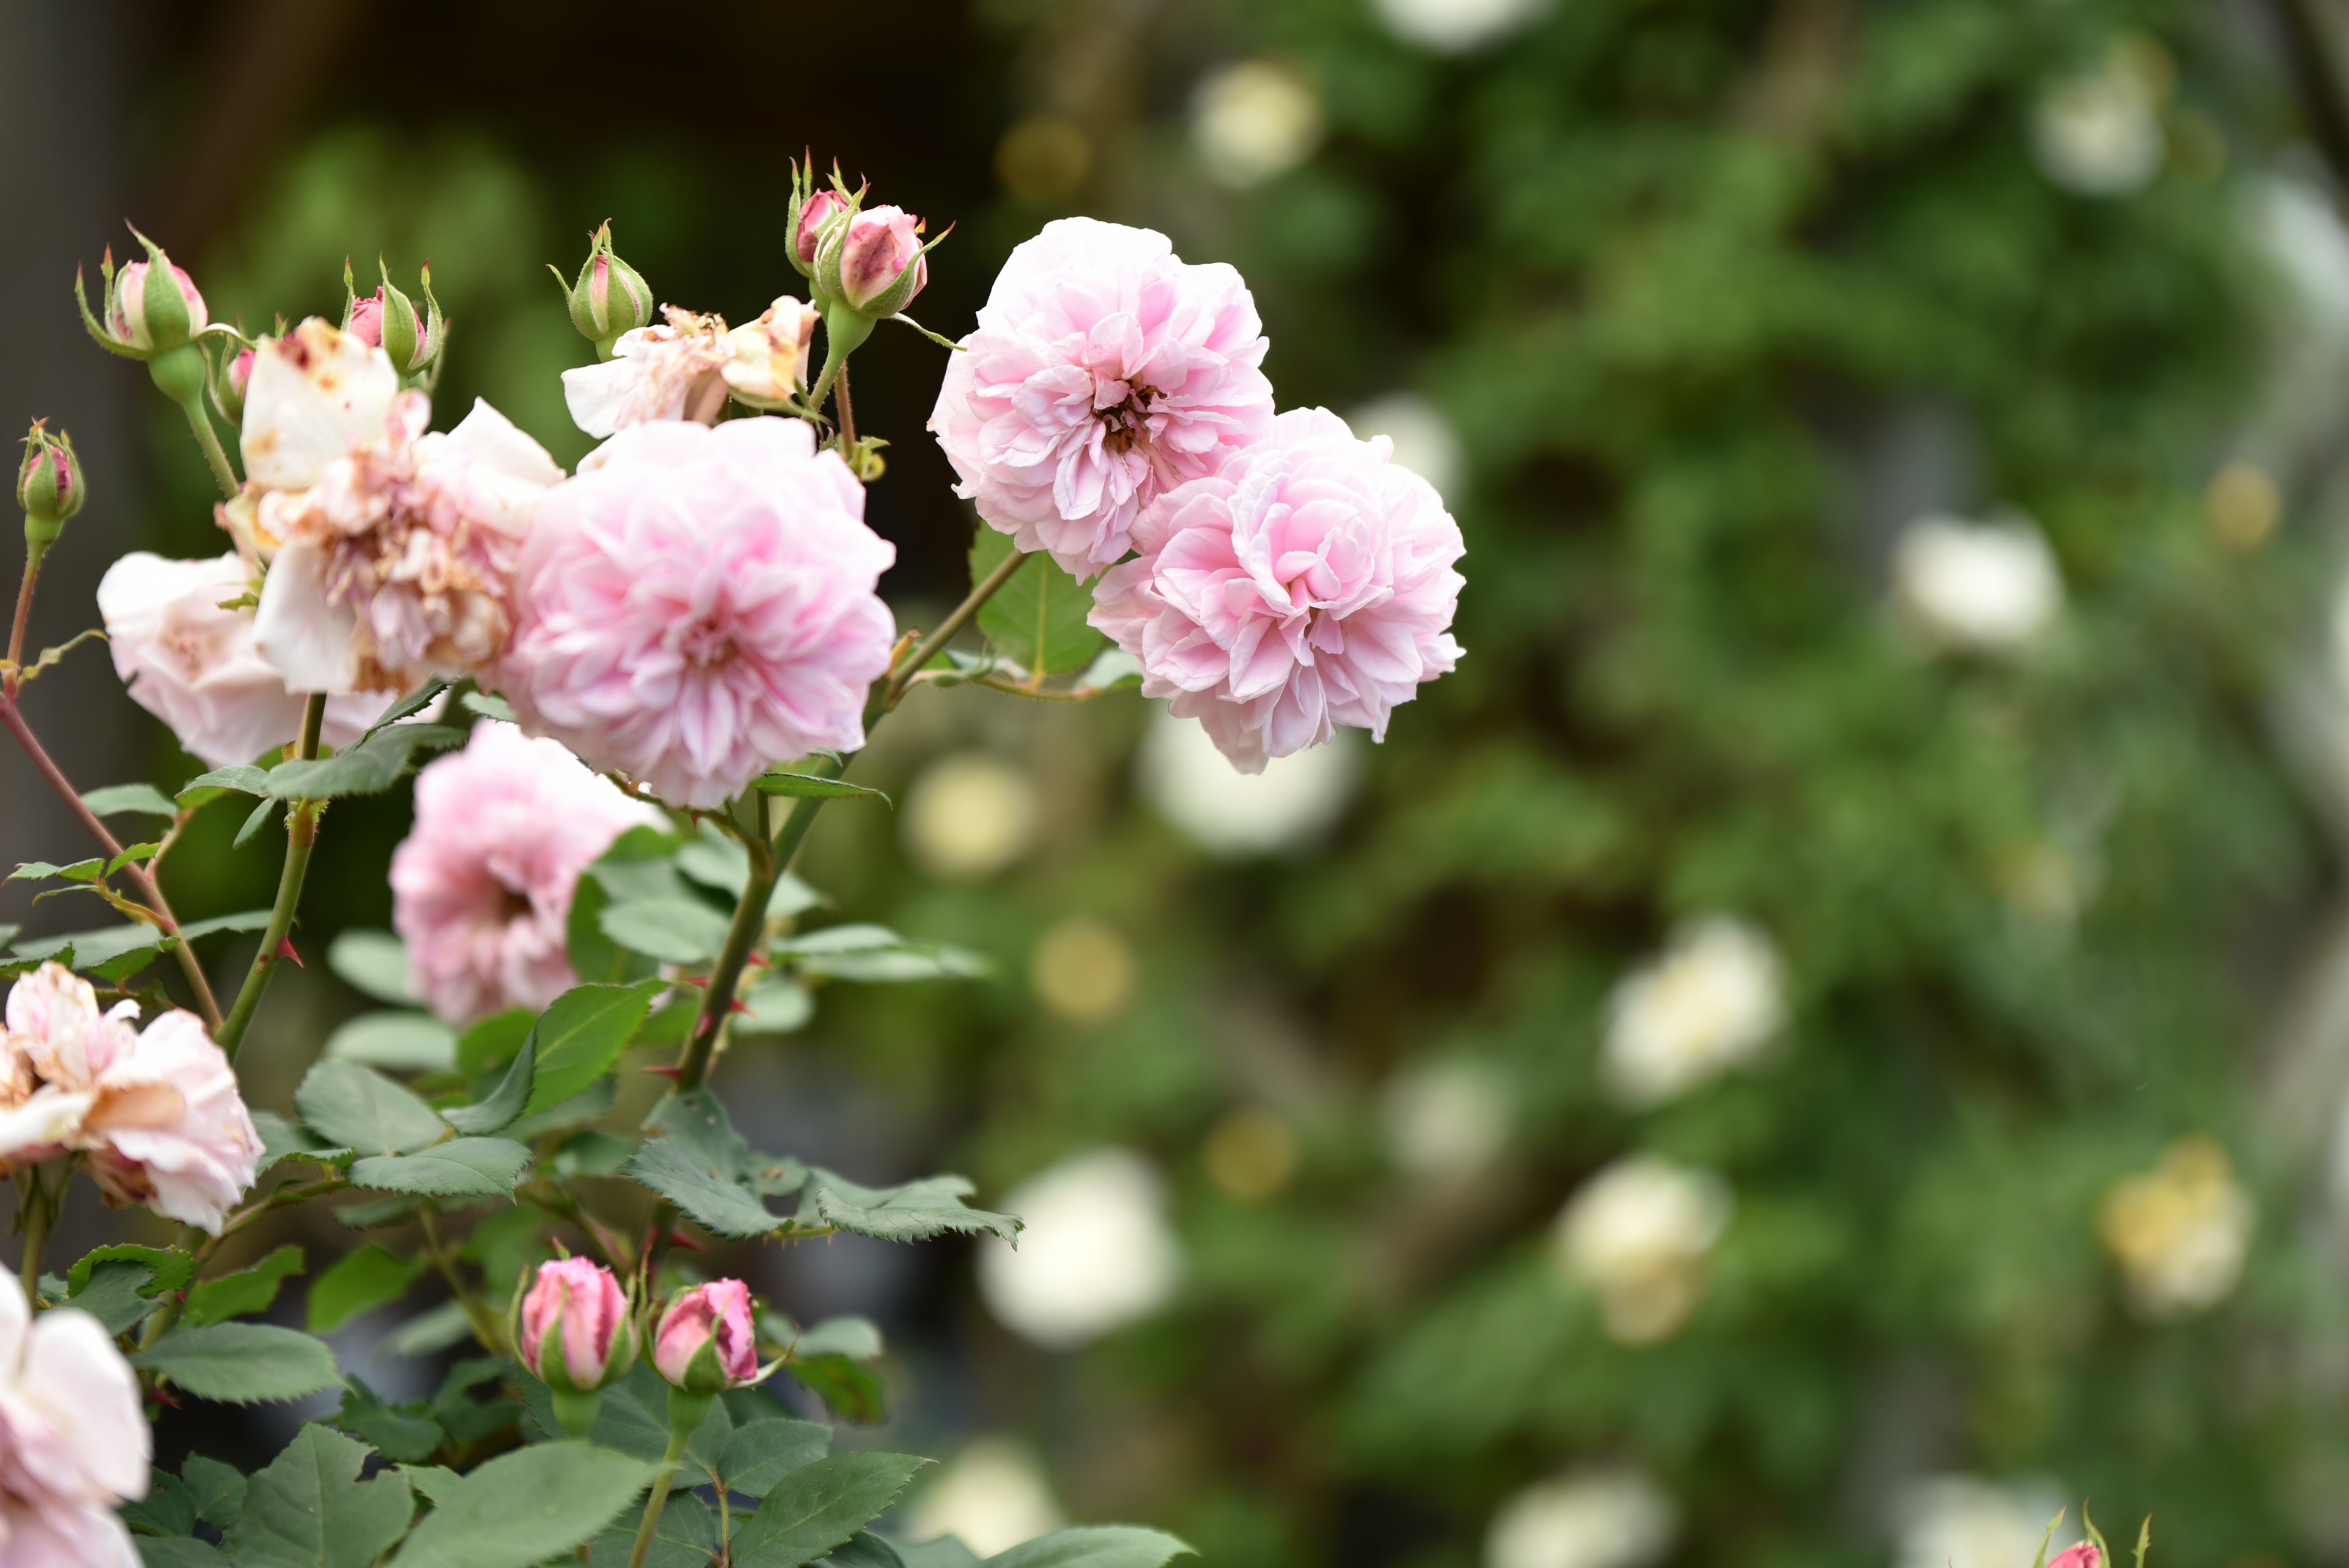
(697, 603)
(1103, 373)
(817, 210)
(2083, 1555)
(582, 1306)
(126, 312)
(157, 1112)
(667, 372)
(1308, 583)
(705, 1341)
(74, 1442)
(367, 320)
(876, 250)
(481, 886)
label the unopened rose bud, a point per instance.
(48, 487)
(874, 262)
(610, 298)
(572, 1331)
(705, 1343)
(151, 307)
(2083, 1555)
(366, 322)
(816, 213)
(230, 371)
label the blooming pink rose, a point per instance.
(584, 1307)
(481, 886)
(73, 1440)
(697, 603)
(126, 312)
(770, 366)
(157, 1112)
(666, 372)
(1103, 373)
(715, 1317)
(1308, 583)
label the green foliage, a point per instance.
(1100, 1546)
(359, 1108)
(143, 799)
(819, 1506)
(370, 766)
(758, 1456)
(374, 963)
(812, 787)
(912, 1211)
(308, 1509)
(698, 1161)
(1038, 619)
(359, 1281)
(242, 1363)
(461, 1168)
(244, 1292)
(582, 1034)
(525, 1508)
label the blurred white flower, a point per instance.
(1253, 120)
(969, 816)
(2180, 1231)
(1636, 1236)
(1291, 805)
(1965, 1521)
(1096, 1255)
(2098, 133)
(1425, 440)
(1708, 1004)
(1455, 26)
(1447, 1121)
(991, 1497)
(1591, 1519)
(1990, 587)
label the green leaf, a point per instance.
(914, 1212)
(90, 948)
(87, 870)
(284, 1140)
(395, 1043)
(168, 1509)
(760, 1454)
(374, 963)
(242, 1363)
(686, 1537)
(945, 1552)
(876, 954)
(437, 1482)
(700, 1164)
(360, 1282)
(595, 957)
(177, 1552)
(370, 767)
(259, 814)
(493, 1040)
(113, 800)
(461, 1168)
(374, 1216)
(672, 929)
(505, 1101)
(1112, 669)
(849, 1389)
(526, 1507)
(242, 779)
(402, 1433)
(1095, 1546)
(308, 1509)
(135, 852)
(819, 1506)
(119, 1295)
(431, 1333)
(487, 706)
(217, 1490)
(777, 1007)
(632, 1419)
(813, 786)
(858, 1338)
(413, 703)
(171, 1267)
(589, 1104)
(1038, 617)
(244, 1292)
(243, 920)
(865, 1550)
(582, 1034)
(592, 1153)
(361, 1108)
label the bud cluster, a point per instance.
(871, 262)
(387, 320)
(578, 1332)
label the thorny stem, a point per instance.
(300, 837)
(224, 475)
(742, 937)
(962, 616)
(149, 893)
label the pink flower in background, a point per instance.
(74, 1442)
(584, 1307)
(1103, 373)
(715, 1317)
(654, 373)
(481, 886)
(697, 603)
(1308, 583)
(156, 1111)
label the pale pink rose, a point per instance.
(126, 313)
(191, 663)
(74, 1442)
(1103, 373)
(697, 603)
(770, 366)
(1309, 584)
(583, 1305)
(716, 1316)
(316, 395)
(155, 1112)
(665, 372)
(481, 886)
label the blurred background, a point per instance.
(1825, 1040)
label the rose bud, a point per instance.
(152, 306)
(705, 1341)
(610, 298)
(816, 213)
(48, 488)
(364, 320)
(2083, 1555)
(875, 263)
(572, 1330)
(230, 371)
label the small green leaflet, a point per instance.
(394, 1042)
(487, 706)
(116, 799)
(370, 767)
(914, 1212)
(812, 787)
(364, 1110)
(374, 963)
(526, 1508)
(242, 779)
(217, 1491)
(1095, 1546)
(681, 930)
(700, 1164)
(1037, 619)
(582, 1034)
(240, 1363)
(282, 1139)
(819, 1506)
(358, 1282)
(308, 1509)
(505, 1101)
(760, 1454)
(461, 1168)
(244, 1292)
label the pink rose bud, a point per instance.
(572, 1331)
(160, 315)
(367, 320)
(874, 262)
(705, 1341)
(815, 213)
(2083, 1555)
(610, 297)
(48, 482)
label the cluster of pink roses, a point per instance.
(1290, 578)
(155, 1113)
(576, 1331)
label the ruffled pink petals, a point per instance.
(1308, 584)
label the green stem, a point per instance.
(300, 837)
(678, 1436)
(36, 1230)
(962, 616)
(742, 937)
(198, 422)
(477, 1316)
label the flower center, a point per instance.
(706, 643)
(1125, 423)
